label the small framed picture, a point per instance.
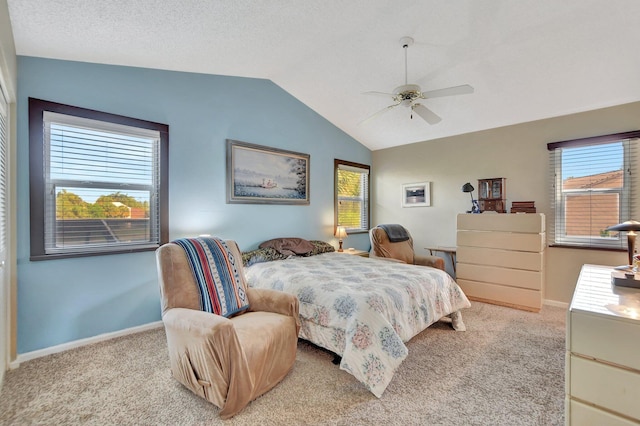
(416, 194)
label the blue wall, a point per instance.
(65, 300)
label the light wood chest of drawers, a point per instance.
(603, 352)
(500, 258)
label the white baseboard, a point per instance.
(81, 342)
(555, 303)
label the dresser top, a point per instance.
(596, 294)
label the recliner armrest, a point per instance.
(193, 322)
(266, 300)
(433, 261)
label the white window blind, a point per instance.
(352, 196)
(594, 186)
(101, 182)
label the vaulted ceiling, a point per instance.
(526, 59)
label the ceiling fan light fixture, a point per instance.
(406, 94)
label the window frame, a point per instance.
(37, 178)
(4, 177)
(626, 207)
(336, 164)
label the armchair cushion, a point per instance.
(222, 291)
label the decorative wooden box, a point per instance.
(492, 194)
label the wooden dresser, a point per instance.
(500, 258)
(603, 352)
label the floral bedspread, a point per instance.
(369, 307)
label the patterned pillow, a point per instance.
(261, 255)
(320, 247)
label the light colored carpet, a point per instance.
(506, 369)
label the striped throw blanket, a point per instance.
(216, 272)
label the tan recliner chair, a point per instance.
(401, 251)
(227, 361)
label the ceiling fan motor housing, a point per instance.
(406, 94)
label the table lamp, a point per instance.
(630, 227)
(475, 208)
(341, 233)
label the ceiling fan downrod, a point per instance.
(406, 42)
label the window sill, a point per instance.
(569, 246)
(35, 258)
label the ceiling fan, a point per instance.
(409, 95)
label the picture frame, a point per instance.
(416, 194)
(259, 174)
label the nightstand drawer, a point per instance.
(605, 386)
(587, 415)
(607, 339)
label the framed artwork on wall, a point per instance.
(262, 175)
(416, 194)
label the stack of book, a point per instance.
(523, 207)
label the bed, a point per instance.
(362, 309)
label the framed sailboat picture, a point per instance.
(416, 194)
(262, 175)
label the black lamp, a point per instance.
(467, 187)
(630, 227)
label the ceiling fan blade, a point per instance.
(449, 91)
(377, 114)
(387, 95)
(426, 114)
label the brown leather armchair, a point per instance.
(401, 251)
(227, 361)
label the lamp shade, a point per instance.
(630, 225)
(467, 187)
(341, 232)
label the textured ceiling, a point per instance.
(526, 59)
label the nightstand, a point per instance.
(360, 253)
(603, 347)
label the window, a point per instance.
(594, 186)
(352, 196)
(98, 182)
